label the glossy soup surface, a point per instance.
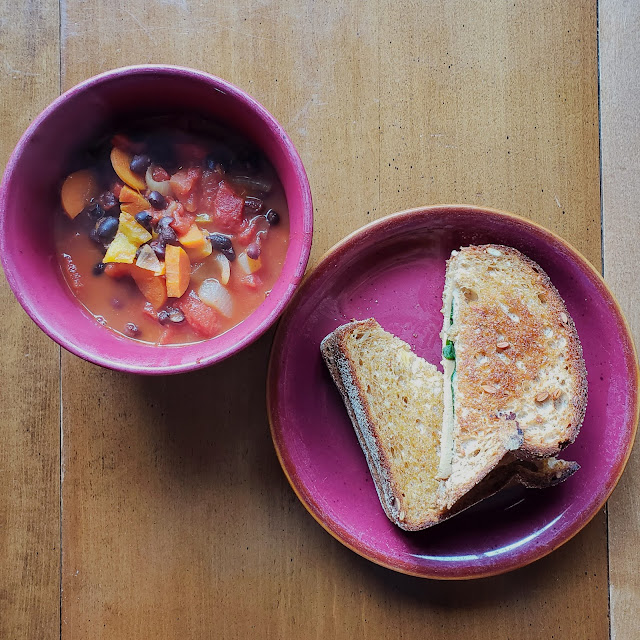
(218, 185)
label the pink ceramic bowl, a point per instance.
(27, 210)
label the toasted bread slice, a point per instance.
(515, 380)
(394, 400)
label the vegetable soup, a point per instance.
(172, 234)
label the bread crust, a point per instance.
(510, 335)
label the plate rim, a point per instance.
(630, 354)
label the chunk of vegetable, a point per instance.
(177, 271)
(135, 232)
(182, 220)
(120, 161)
(228, 209)
(201, 317)
(161, 186)
(148, 260)
(249, 265)
(225, 268)
(212, 293)
(121, 249)
(196, 242)
(77, 191)
(132, 202)
(152, 288)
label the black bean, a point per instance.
(98, 268)
(140, 163)
(106, 229)
(156, 200)
(165, 221)
(158, 247)
(93, 235)
(95, 210)
(252, 206)
(163, 317)
(167, 235)
(253, 251)
(175, 315)
(131, 329)
(220, 241)
(108, 200)
(144, 218)
(273, 217)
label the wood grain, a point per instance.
(29, 389)
(175, 526)
(620, 94)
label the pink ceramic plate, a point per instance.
(393, 269)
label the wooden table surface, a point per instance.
(121, 519)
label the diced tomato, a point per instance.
(248, 234)
(253, 281)
(184, 181)
(201, 318)
(159, 174)
(228, 209)
(117, 188)
(209, 188)
(182, 220)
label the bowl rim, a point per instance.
(305, 236)
(338, 532)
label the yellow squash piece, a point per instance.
(135, 232)
(121, 249)
(130, 236)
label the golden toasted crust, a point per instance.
(518, 355)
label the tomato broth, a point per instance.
(172, 235)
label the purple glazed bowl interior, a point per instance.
(29, 201)
(394, 270)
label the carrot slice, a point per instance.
(120, 161)
(77, 191)
(132, 202)
(197, 245)
(177, 270)
(153, 289)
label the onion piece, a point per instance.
(212, 293)
(249, 265)
(225, 267)
(163, 187)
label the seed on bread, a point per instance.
(563, 317)
(542, 396)
(503, 345)
(556, 394)
(489, 388)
